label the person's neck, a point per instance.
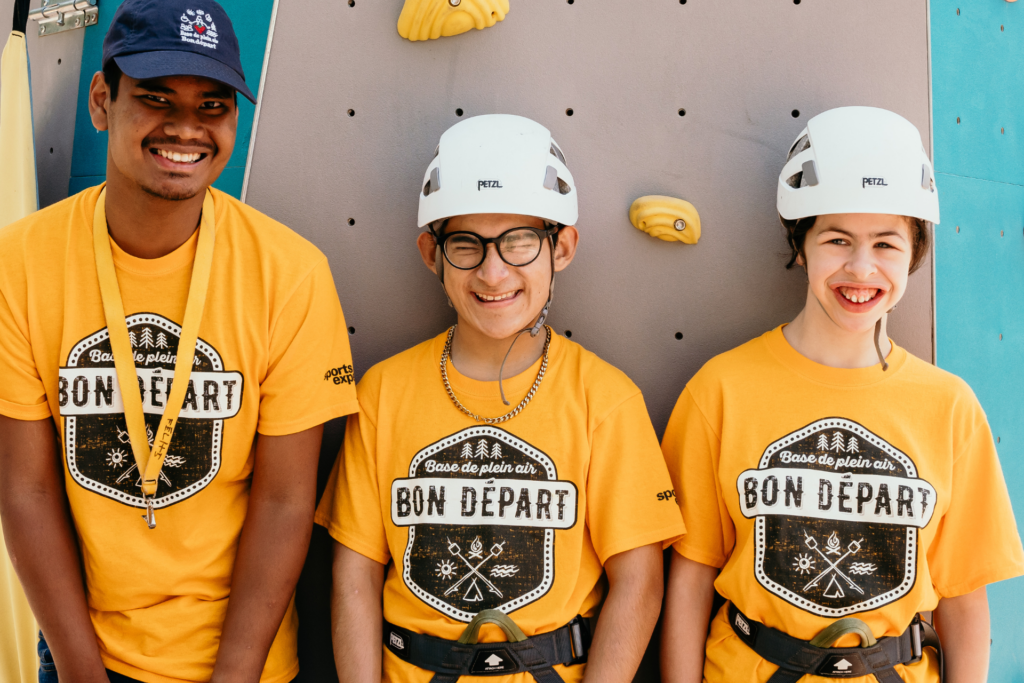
(815, 336)
(146, 226)
(479, 357)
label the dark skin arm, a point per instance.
(271, 552)
(33, 506)
(688, 602)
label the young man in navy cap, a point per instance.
(168, 356)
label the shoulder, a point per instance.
(605, 386)
(943, 388)
(396, 371)
(734, 365)
(273, 242)
(44, 227)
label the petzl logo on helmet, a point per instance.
(488, 184)
(838, 510)
(873, 182)
(481, 507)
(197, 27)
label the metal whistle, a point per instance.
(149, 516)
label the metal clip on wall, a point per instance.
(55, 16)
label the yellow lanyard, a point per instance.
(150, 461)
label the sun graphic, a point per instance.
(115, 458)
(445, 569)
(804, 563)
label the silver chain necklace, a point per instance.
(508, 416)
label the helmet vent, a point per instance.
(804, 143)
(436, 150)
(434, 183)
(557, 153)
(807, 176)
(563, 187)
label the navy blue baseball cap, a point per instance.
(156, 38)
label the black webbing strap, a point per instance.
(450, 659)
(797, 658)
(20, 15)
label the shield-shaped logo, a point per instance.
(482, 507)
(838, 510)
(96, 442)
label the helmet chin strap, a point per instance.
(878, 346)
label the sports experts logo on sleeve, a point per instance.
(340, 375)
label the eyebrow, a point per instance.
(222, 92)
(874, 235)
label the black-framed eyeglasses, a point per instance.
(516, 246)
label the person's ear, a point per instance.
(565, 249)
(800, 261)
(428, 250)
(99, 100)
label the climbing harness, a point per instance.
(149, 451)
(797, 658)
(450, 659)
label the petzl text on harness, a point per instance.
(150, 459)
(450, 659)
(797, 658)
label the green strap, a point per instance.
(840, 628)
(492, 616)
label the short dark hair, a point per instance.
(112, 75)
(797, 229)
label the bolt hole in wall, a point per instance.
(682, 112)
(795, 113)
(351, 112)
(351, 3)
(458, 112)
(679, 335)
(58, 61)
(351, 221)
(568, 334)
(568, 112)
(351, 330)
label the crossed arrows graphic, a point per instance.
(852, 549)
(455, 550)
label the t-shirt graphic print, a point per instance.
(837, 512)
(482, 507)
(96, 443)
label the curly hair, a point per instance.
(797, 229)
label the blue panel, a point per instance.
(976, 77)
(977, 49)
(251, 19)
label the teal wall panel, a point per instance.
(251, 20)
(977, 49)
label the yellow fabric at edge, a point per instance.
(18, 198)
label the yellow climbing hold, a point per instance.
(667, 218)
(430, 19)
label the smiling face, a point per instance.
(857, 267)
(496, 299)
(171, 137)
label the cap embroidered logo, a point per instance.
(198, 28)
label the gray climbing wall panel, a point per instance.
(747, 74)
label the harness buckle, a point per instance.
(149, 516)
(915, 640)
(580, 638)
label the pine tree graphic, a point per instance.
(837, 442)
(851, 445)
(161, 340)
(481, 449)
(133, 339)
(467, 450)
(496, 451)
(147, 338)
(822, 442)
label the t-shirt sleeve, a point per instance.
(629, 502)
(22, 394)
(350, 507)
(979, 522)
(309, 378)
(692, 450)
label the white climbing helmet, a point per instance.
(858, 160)
(498, 163)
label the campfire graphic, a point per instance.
(833, 546)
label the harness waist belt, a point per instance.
(450, 659)
(797, 658)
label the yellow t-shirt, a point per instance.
(273, 356)
(823, 493)
(519, 516)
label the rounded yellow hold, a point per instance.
(667, 218)
(430, 19)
